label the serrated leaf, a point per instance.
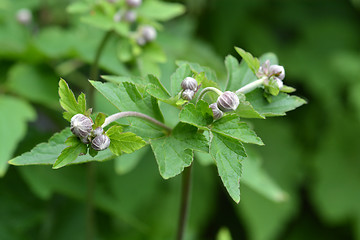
(251, 61)
(70, 153)
(200, 115)
(175, 152)
(231, 126)
(228, 154)
(47, 153)
(99, 120)
(161, 11)
(68, 101)
(233, 71)
(178, 76)
(280, 104)
(126, 142)
(245, 109)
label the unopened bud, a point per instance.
(277, 71)
(228, 101)
(130, 16)
(189, 83)
(133, 3)
(81, 125)
(98, 131)
(117, 16)
(100, 142)
(216, 111)
(141, 41)
(24, 16)
(188, 94)
(149, 33)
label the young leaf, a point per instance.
(70, 153)
(228, 153)
(231, 126)
(200, 115)
(68, 101)
(156, 89)
(210, 80)
(245, 109)
(161, 11)
(178, 76)
(251, 61)
(175, 152)
(126, 142)
(99, 120)
(233, 71)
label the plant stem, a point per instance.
(119, 115)
(206, 90)
(251, 86)
(185, 202)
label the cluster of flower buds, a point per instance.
(272, 72)
(127, 16)
(24, 16)
(226, 102)
(81, 126)
(190, 87)
(133, 3)
(146, 34)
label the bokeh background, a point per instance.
(312, 153)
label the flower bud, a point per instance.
(263, 69)
(189, 83)
(97, 131)
(148, 33)
(130, 16)
(81, 125)
(188, 94)
(117, 16)
(140, 41)
(133, 3)
(100, 142)
(216, 111)
(277, 71)
(24, 16)
(228, 101)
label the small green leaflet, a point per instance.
(210, 75)
(233, 71)
(251, 61)
(175, 152)
(245, 109)
(99, 120)
(160, 11)
(200, 115)
(228, 153)
(126, 142)
(69, 154)
(68, 101)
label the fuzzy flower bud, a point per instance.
(189, 83)
(188, 94)
(100, 142)
(81, 125)
(130, 16)
(149, 33)
(133, 3)
(98, 131)
(228, 101)
(216, 111)
(24, 16)
(277, 71)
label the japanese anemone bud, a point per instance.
(81, 125)
(149, 33)
(216, 111)
(98, 131)
(188, 94)
(133, 3)
(277, 71)
(24, 16)
(189, 83)
(100, 142)
(130, 16)
(228, 101)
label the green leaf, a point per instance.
(70, 153)
(175, 152)
(47, 153)
(126, 97)
(15, 114)
(231, 126)
(178, 76)
(272, 87)
(126, 142)
(158, 91)
(287, 89)
(228, 154)
(160, 11)
(251, 61)
(233, 71)
(200, 115)
(124, 50)
(99, 120)
(280, 104)
(68, 101)
(245, 109)
(78, 7)
(99, 20)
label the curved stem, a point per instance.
(206, 90)
(251, 86)
(185, 201)
(119, 115)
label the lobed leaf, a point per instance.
(69, 154)
(199, 116)
(252, 62)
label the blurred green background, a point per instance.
(312, 153)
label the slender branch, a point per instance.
(185, 202)
(206, 90)
(251, 86)
(119, 115)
